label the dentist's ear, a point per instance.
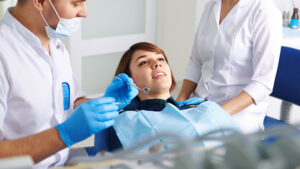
(39, 4)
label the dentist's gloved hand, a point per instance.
(121, 91)
(88, 119)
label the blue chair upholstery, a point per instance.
(270, 122)
(287, 81)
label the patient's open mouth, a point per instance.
(158, 74)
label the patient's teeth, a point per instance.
(158, 74)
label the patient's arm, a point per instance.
(238, 103)
(188, 87)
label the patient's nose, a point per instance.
(156, 65)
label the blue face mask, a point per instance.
(65, 27)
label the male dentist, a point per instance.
(37, 89)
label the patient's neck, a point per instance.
(163, 96)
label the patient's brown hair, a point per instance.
(124, 63)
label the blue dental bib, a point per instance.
(133, 127)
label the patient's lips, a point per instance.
(158, 74)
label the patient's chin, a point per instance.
(160, 91)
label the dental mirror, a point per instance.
(145, 90)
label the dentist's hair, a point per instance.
(124, 63)
(22, 2)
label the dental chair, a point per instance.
(287, 82)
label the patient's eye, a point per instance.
(161, 59)
(76, 4)
(143, 63)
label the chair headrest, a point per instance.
(287, 81)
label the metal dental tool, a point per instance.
(145, 90)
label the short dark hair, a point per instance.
(123, 66)
(22, 2)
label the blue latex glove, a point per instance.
(88, 119)
(180, 103)
(191, 101)
(121, 91)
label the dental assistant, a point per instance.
(234, 58)
(38, 92)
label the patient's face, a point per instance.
(150, 69)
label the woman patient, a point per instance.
(157, 112)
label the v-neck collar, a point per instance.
(217, 10)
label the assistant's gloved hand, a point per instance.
(121, 91)
(180, 103)
(190, 101)
(193, 100)
(87, 119)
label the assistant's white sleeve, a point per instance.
(4, 89)
(267, 37)
(194, 68)
(193, 71)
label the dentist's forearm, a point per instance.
(38, 146)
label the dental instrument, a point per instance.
(145, 90)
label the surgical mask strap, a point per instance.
(44, 19)
(54, 9)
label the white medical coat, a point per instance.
(31, 98)
(240, 54)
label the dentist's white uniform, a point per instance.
(31, 97)
(240, 54)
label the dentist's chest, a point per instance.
(41, 84)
